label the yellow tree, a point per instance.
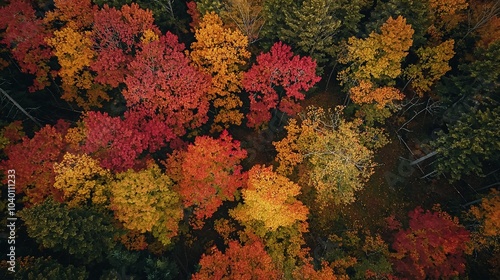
(447, 13)
(334, 152)
(271, 211)
(220, 52)
(81, 180)
(73, 50)
(245, 15)
(378, 57)
(364, 93)
(432, 65)
(144, 201)
(270, 199)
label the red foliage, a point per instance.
(208, 173)
(25, 36)
(195, 15)
(118, 143)
(276, 81)
(433, 247)
(33, 161)
(249, 261)
(117, 34)
(162, 80)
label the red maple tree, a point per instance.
(278, 80)
(25, 36)
(162, 80)
(432, 247)
(116, 34)
(33, 161)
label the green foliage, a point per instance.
(86, 233)
(48, 269)
(160, 269)
(471, 141)
(312, 28)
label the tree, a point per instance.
(208, 173)
(33, 160)
(45, 268)
(161, 80)
(432, 247)
(82, 180)
(118, 143)
(220, 52)
(246, 15)
(144, 201)
(25, 36)
(73, 50)
(488, 214)
(276, 81)
(432, 65)
(470, 142)
(312, 28)
(364, 93)
(337, 161)
(63, 229)
(249, 261)
(116, 35)
(270, 198)
(77, 15)
(377, 58)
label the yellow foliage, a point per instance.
(489, 214)
(270, 198)
(149, 36)
(378, 56)
(337, 161)
(246, 15)
(364, 93)
(81, 179)
(220, 52)
(144, 201)
(447, 12)
(432, 65)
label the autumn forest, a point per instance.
(250, 139)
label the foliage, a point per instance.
(48, 269)
(312, 28)
(249, 261)
(488, 216)
(33, 160)
(76, 15)
(432, 65)
(61, 228)
(364, 93)
(276, 81)
(117, 34)
(432, 247)
(25, 36)
(144, 201)
(81, 179)
(208, 174)
(471, 141)
(219, 52)
(378, 57)
(245, 15)
(118, 142)
(161, 80)
(269, 198)
(337, 162)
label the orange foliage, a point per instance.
(488, 213)
(134, 241)
(364, 93)
(447, 12)
(76, 15)
(249, 261)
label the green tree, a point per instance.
(470, 142)
(48, 269)
(312, 28)
(86, 233)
